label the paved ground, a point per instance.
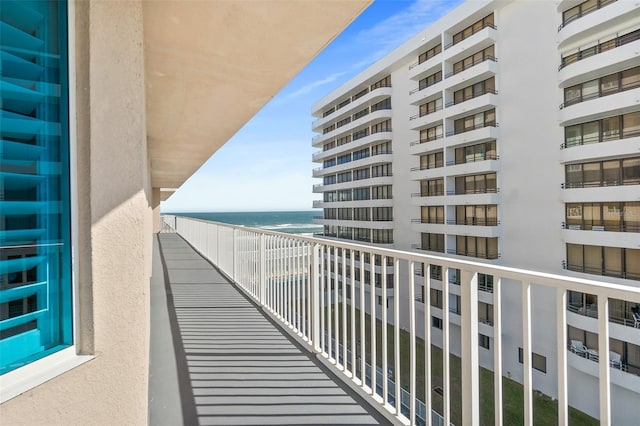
(217, 360)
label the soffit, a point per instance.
(211, 65)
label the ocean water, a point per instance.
(300, 222)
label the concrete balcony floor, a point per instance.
(216, 359)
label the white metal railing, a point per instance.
(313, 287)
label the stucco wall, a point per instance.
(114, 221)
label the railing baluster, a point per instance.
(336, 322)
(372, 300)
(603, 359)
(344, 310)
(362, 317)
(384, 343)
(469, 359)
(497, 350)
(352, 280)
(396, 332)
(323, 275)
(561, 345)
(446, 378)
(426, 271)
(412, 343)
(526, 353)
(331, 274)
(315, 272)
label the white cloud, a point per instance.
(306, 89)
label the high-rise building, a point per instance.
(506, 133)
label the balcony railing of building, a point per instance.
(434, 165)
(480, 255)
(473, 159)
(599, 93)
(599, 48)
(474, 191)
(474, 222)
(469, 97)
(299, 281)
(471, 128)
(609, 226)
(431, 139)
(471, 65)
(464, 37)
(422, 114)
(581, 10)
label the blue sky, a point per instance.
(267, 165)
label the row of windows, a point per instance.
(475, 121)
(472, 184)
(603, 173)
(629, 352)
(599, 48)
(481, 247)
(487, 21)
(381, 214)
(475, 90)
(607, 129)
(582, 9)
(480, 215)
(430, 53)
(359, 194)
(609, 216)
(467, 154)
(378, 149)
(383, 82)
(603, 86)
(432, 133)
(376, 236)
(430, 80)
(487, 53)
(610, 261)
(430, 107)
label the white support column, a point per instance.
(372, 301)
(561, 344)
(470, 370)
(384, 342)
(396, 330)
(412, 343)
(497, 350)
(603, 359)
(314, 269)
(446, 377)
(426, 272)
(526, 353)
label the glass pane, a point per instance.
(630, 78)
(632, 264)
(591, 132)
(575, 260)
(613, 261)
(610, 128)
(590, 90)
(631, 125)
(631, 171)
(611, 173)
(573, 135)
(609, 84)
(631, 217)
(574, 215)
(573, 176)
(593, 259)
(592, 174)
(612, 216)
(572, 94)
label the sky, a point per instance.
(266, 165)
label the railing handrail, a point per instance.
(468, 98)
(582, 13)
(473, 64)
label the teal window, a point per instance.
(35, 250)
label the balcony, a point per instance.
(293, 282)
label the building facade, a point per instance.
(510, 135)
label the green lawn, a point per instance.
(545, 410)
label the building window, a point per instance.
(436, 322)
(430, 80)
(381, 148)
(475, 90)
(599, 48)
(344, 195)
(344, 214)
(383, 236)
(383, 214)
(432, 242)
(609, 261)
(607, 85)
(344, 177)
(477, 152)
(361, 213)
(485, 283)
(383, 192)
(604, 130)
(343, 140)
(485, 313)
(603, 173)
(483, 341)
(454, 304)
(329, 163)
(361, 113)
(481, 247)
(432, 161)
(360, 154)
(476, 184)
(361, 234)
(430, 53)
(35, 259)
(475, 121)
(361, 194)
(381, 170)
(613, 216)
(360, 174)
(432, 187)
(384, 82)
(432, 214)
(430, 107)
(582, 9)
(478, 57)
(384, 126)
(346, 158)
(360, 94)
(477, 215)
(384, 104)
(487, 21)
(538, 362)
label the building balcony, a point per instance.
(371, 97)
(484, 133)
(598, 108)
(418, 71)
(417, 122)
(591, 22)
(478, 41)
(607, 62)
(350, 127)
(472, 105)
(484, 69)
(428, 145)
